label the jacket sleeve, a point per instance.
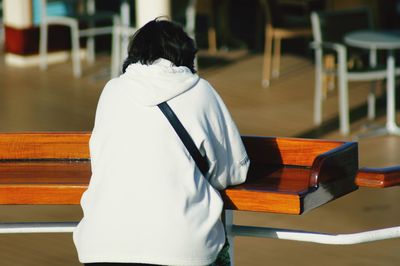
(224, 148)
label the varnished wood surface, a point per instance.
(284, 174)
(288, 151)
(46, 145)
(42, 168)
(69, 145)
(45, 173)
(43, 182)
(378, 177)
(338, 163)
(64, 182)
(268, 188)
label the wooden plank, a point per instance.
(259, 201)
(46, 145)
(52, 194)
(43, 182)
(378, 177)
(45, 172)
(269, 189)
(286, 151)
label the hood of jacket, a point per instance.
(158, 82)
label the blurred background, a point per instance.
(278, 71)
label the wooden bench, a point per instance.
(286, 175)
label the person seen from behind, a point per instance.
(147, 202)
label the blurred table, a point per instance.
(381, 40)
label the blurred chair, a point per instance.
(192, 12)
(205, 9)
(89, 17)
(122, 32)
(120, 47)
(329, 28)
(279, 27)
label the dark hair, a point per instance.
(161, 39)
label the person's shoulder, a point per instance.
(115, 85)
(205, 88)
(204, 83)
(209, 90)
(112, 89)
(208, 97)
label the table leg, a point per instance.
(391, 125)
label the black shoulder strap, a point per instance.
(201, 161)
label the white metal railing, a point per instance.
(37, 227)
(232, 231)
(321, 238)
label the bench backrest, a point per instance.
(74, 145)
(34, 146)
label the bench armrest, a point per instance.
(341, 162)
(378, 177)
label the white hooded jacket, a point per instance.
(147, 202)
